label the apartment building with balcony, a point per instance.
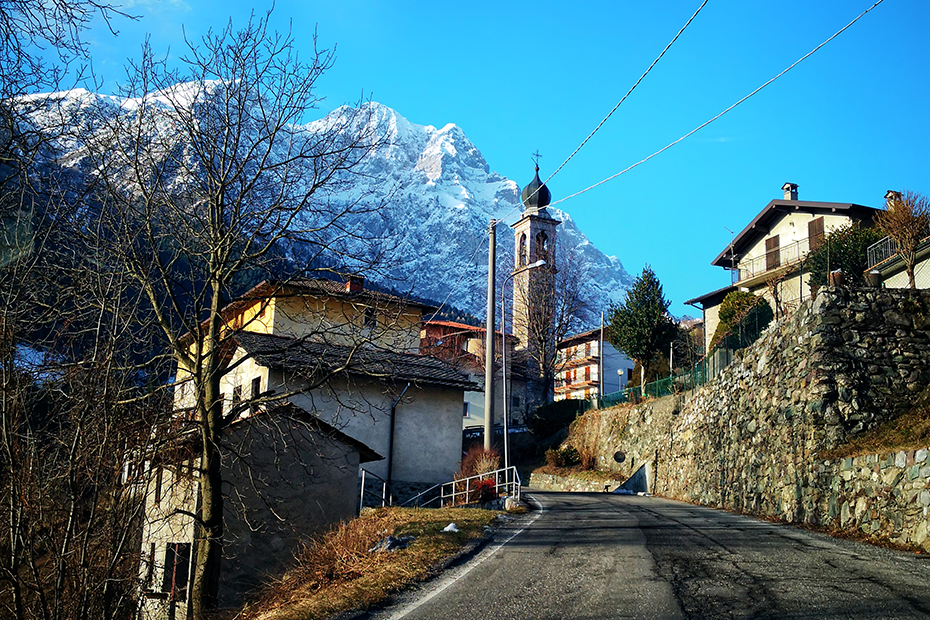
(581, 362)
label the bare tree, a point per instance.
(906, 219)
(206, 183)
(556, 307)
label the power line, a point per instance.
(628, 93)
(706, 123)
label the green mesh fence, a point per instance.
(741, 335)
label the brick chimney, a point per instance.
(354, 284)
(791, 191)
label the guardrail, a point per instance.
(387, 494)
(468, 490)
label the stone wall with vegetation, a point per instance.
(751, 440)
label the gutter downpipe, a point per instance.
(390, 454)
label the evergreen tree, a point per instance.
(641, 326)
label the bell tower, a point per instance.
(533, 290)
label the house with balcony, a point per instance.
(582, 361)
(888, 267)
(767, 256)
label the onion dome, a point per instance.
(536, 195)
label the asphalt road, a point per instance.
(613, 556)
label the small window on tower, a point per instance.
(523, 253)
(542, 245)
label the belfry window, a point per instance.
(542, 245)
(523, 250)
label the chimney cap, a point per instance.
(354, 283)
(791, 191)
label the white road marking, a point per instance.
(448, 581)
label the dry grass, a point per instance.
(909, 431)
(336, 572)
(580, 473)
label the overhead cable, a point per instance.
(632, 88)
(706, 123)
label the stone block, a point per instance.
(900, 460)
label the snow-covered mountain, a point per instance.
(441, 195)
(437, 196)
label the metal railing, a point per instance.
(387, 495)
(466, 490)
(880, 251)
(773, 259)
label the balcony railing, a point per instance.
(771, 260)
(881, 251)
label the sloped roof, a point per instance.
(762, 224)
(290, 410)
(281, 352)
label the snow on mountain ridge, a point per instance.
(452, 194)
(436, 195)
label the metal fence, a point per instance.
(719, 357)
(880, 251)
(466, 490)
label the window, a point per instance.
(158, 474)
(464, 410)
(149, 566)
(177, 567)
(815, 233)
(523, 250)
(371, 318)
(236, 398)
(772, 253)
(256, 391)
(542, 245)
(515, 402)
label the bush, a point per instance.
(566, 456)
(743, 316)
(843, 249)
(479, 461)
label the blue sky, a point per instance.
(846, 125)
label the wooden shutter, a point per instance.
(772, 253)
(815, 233)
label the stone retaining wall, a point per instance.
(550, 482)
(749, 440)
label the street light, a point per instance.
(538, 263)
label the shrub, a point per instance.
(482, 491)
(843, 249)
(566, 456)
(479, 461)
(743, 316)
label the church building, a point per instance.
(534, 291)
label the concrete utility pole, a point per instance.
(489, 340)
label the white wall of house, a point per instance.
(427, 428)
(896, 277)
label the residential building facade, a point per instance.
(584, 363)
(321, 377)
(767, 256)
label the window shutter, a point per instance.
(815, 233)
(772, 254)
